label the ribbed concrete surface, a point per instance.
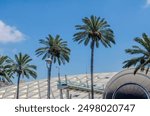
(38, 89)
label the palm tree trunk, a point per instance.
(49, 81)
(61, 93)
(92, 62)
(18, 83)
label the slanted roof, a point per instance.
(38, 89)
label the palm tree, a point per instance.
(93, 31)
(22, 68)
(142, 61)
(5, 72)
(56, 49)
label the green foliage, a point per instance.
(21, 66)
(94, 29)
(5, 72)
(54, 48)
(142, 62)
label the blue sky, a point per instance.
(24, 22)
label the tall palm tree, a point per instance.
(21, 67)
(56, 49)
(5, 72)
(142, 61)
(94, 31)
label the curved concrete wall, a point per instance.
(126, 85)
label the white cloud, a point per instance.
(9, 33)
(147, 3)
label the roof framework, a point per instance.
(38, 89)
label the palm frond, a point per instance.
(21, 66)
(94, 29)
(5, 71)
(143, 62)
(55, 49)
